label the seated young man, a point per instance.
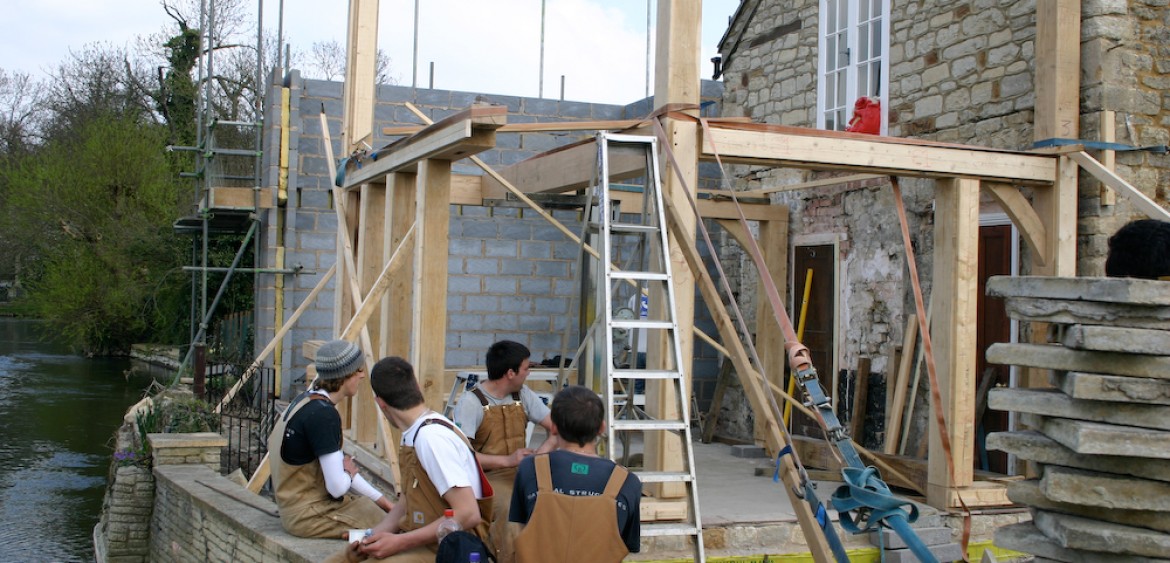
(495, 415)
(310, 476)
(574, 505)
(439, 471)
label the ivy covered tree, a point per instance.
(97, 206)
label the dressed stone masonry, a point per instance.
(1102, 436)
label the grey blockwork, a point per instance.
(511, 274)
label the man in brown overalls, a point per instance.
(574, 505)
(495, 415)
(439, 471)
(311, 477)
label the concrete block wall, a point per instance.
(510, 272)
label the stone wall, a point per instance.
(199, 515)
(959, 72)
(510, 272)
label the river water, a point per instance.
(58, 414)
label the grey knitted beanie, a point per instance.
(337, 359)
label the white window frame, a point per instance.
(849, 71)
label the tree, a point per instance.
(327, 59)
(97, 206)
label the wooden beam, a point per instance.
(401, 189)
(432, 219)
(555, 126)
(1110, 178)
(953, 332)
(894, 415)
(846, 151)
(752, 385)
(769, 340)
(837, 181)
(360, 73)
(565, 169)
(1019, 210)
(1107, 126)
(370, 259)
(461, 135)
(1058, 70)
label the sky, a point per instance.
(482, 46)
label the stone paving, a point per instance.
(1101, 437)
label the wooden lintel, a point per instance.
(464, 134)
(1020, 210)
(821, 182)
(796, 148)
(565, 169)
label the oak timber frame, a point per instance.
(411, 186)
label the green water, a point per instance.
(58, 413)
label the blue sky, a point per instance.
(489, 46)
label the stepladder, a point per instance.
(634, 359)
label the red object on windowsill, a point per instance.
(867, 116)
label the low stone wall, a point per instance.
(202, 516)
(199, 515)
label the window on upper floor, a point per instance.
(853, 61)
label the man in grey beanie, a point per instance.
(312, 479)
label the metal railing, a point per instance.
(247, 419)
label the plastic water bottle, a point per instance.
(447, 524)
(474, 558)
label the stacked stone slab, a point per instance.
(1101, 436)
(937, 539)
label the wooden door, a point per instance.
(995, 259)
(821, 321)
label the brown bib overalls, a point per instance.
(307, 509)
(502, 432)
(572, 528)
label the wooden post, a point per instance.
(677, 81)
(370, 258)
(360, 74)
(429, 309)
(898, 404)
(400, 208)
(860, 399)
(956, 269)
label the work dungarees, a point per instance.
(572, 528)
(307, 509)
(503, 431)
(423, 502)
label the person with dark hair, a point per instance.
(311, 477)
(438, 472)
(495, 415)
(574, 505)
(1140, 249)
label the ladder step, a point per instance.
(632, 228)
(629, 275)
(645, 374)
(636, 324)
(680, 529)
(650, 425)
(664, 476)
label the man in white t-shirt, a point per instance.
(439, 471)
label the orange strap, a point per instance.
(928, 351)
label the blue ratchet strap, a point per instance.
(1099, 145)
(864, 491)
(826, 524)
(776, 474)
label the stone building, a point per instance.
(959, 72)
